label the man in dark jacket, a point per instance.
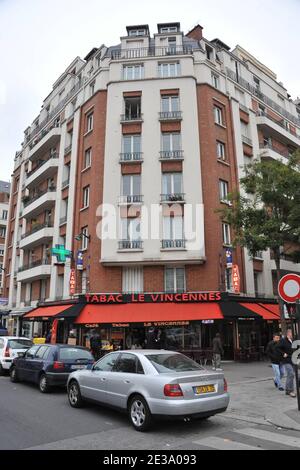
(275, 356)
(286, 349)
(218, 351)
(95, 343)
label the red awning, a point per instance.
(149, 312)
(274, 308)
(261, 310)
(46, 311)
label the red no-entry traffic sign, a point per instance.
(289, 288)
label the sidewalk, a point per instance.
(254, 397)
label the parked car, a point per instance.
(149, 384)
(11, 347)
(49, 365)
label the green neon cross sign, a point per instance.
(61, 253)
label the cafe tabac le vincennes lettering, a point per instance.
(152, 298)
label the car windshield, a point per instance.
(19, 343)
(74, 354)
(172, 363)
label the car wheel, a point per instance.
(74, 395)
(139, 414)
(44, 384)
(13, 375)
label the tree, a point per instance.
(266, 213)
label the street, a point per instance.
(31, 420)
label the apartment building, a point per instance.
(150, 134)
(4, 208)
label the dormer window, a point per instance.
(209, 52)
(169, 29)
(137, 32)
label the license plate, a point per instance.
(204, 389)
(78, 367)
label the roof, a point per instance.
(4, 187)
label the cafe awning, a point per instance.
(149, 312)
(235, 310)
(46, 312)
(261, 310)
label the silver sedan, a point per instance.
(149, 384)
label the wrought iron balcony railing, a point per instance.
(130, 245)
(131, 157)
(171, 155)
(131, 199)
(177, 243)
(170, 115)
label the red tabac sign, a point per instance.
(153, 298)
(236, 284)
(72, 282)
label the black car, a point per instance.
(49, 365)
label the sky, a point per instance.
(40, 38)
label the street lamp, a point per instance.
(80, 235)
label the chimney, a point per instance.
(195, 33)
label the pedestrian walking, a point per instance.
(275, 357)
(286, 349)
(218, 352)
(48, 336)
(95, 344)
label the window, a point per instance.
(218, 115)
(107, 362)
(92, 88)
(175, 279)
(228, 279)
(84, 281)
(2, 232)
(4, 215)
(223, 185)
(87, 158)
(172, 183)
(86, 197)
(131, 229)
(244, 129)
(89, 122)
(169, 103)
(137, 32)
(133, 72)
(169, 69)
(132, 279)
(215, 80)
(221, 150)
(171, 45)
(173, 228)
(42, 352)
(132, 108)
(84, 238)
(171, 141)
(257, 82)
(168, 29)
(127, 363)
(131, 144)
(209, 52)
(226, 234)
(131, 185)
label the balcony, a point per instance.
(39, 269)
(44, 169)
(277, 128)
(269, 151)
(68, 149)
(172, 197)
(37, 235)
(41, 201)
(246, 140)
(126, 118)
(131, 157)
(173, 244)
(171, 155)
(63, 220)
(170, 116)
(151, 52)
(256, 92)
(131, 199)
(65, 183)
(244, 108)
(135, 245)
(48, 139)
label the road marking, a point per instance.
(271, 436)
(224, 444)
